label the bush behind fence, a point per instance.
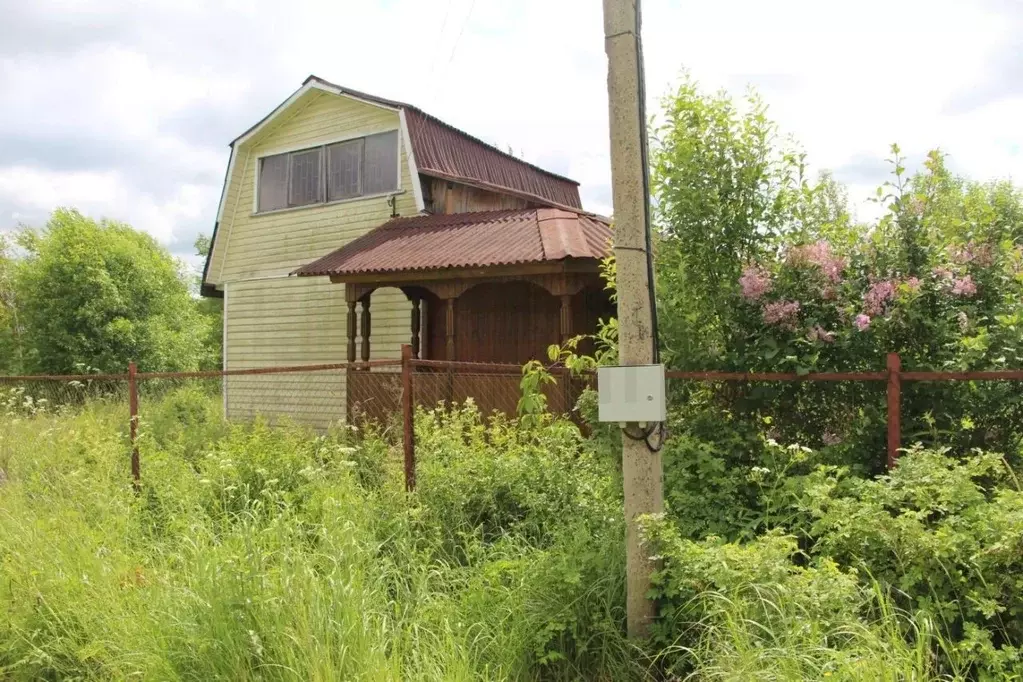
(816, 408)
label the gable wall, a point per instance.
(274, 244)
(272, 319)
(445, 196)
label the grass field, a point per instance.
(274, 553)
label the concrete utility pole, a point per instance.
(641, 467)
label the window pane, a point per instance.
(305, 177)
(344, 170)
(381, 174)
(273, 182)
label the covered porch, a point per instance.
(496, 287)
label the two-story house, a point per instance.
(344, 213)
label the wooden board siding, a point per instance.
(443, 196)
(507, 322)
(280, 322)
(510, 322)
(275, 320)
(257, 245)
(299, 321)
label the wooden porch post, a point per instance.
(566, 317)
(351, 331)
(416, 326)
(352, 322)
(566, 334)
(450, 329)
(365, 328)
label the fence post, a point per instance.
(407, 416)
(894, 408)
(133, 425)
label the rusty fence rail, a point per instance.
(893, 376)
(382, 391)
(315, 394)
(387, 391)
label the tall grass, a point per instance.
(793, 644)
(274, 553)
(280, 554)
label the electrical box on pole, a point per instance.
(631, 394)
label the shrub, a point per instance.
(762, 269)
(102, 293)
(187, 420)
(759, 611)
(466, 488)
(946, 534)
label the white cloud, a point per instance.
(104, 195)
(163, 86)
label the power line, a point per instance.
(460, 32)
(440, 36)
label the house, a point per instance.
(350, 224)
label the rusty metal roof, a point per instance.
(464, 240)
(449, 153)
(444, 151)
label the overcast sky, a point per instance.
(124, 109)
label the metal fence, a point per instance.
(388, 391)
(385, 392)
(892, 378)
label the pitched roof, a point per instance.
(438, 149)
(461, 240)
(444, 151)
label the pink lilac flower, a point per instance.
(782, 313)
(964, 287)
(981, 254)
(877, 296)
(862, 322)
(755, 282)
(820, 334)
(819, 254)
(942, 272)
(913, 284)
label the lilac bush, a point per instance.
(761, 268)
(936, 279)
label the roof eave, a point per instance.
(207, 290)
(410, 275)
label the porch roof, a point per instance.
(468, 240)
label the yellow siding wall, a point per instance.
(275, 320)
(282, 322)
(276, 243)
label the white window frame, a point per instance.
(323, 171)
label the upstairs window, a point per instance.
(346, 170)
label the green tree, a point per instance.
(102, 294)
(212, 311)
(725, 188)
(10, 337)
